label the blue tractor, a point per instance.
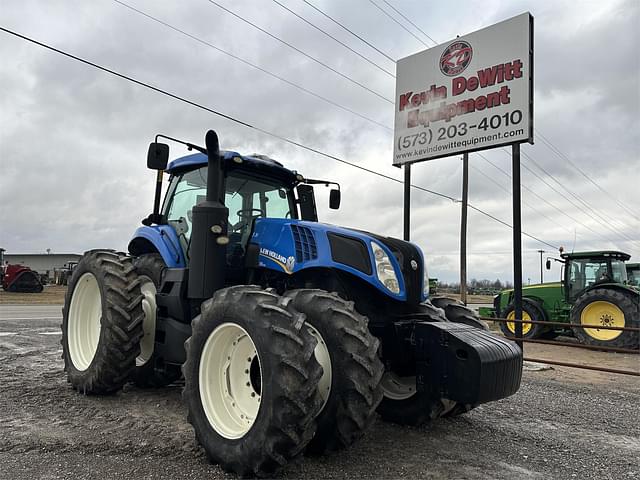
(289, 333)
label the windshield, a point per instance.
(619, 271)
(247, 198)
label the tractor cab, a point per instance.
(633, 274)
(583, 270)
(249, 194)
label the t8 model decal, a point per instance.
(287, 263)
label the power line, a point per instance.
(301, 52)
(525, 203)
(606, 224)
(561, 155)
(258, 129)
(409, 20)
(335, 39)
(396, 21)
(606, 221)
(252, 65)
(529, 190)
(348, 30)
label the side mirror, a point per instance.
(158, 156)
(334, 199)
(548, 264)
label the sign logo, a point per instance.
(455, 58)
(414, 265)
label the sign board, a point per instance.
(472, 93)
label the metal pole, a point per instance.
(541, 276)
(407, 201)
(584, 367)
(463, 228)
(517, 242)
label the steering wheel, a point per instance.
(246, 216)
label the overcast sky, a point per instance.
(73, 140)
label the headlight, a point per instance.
(425, 282)
(384, 269)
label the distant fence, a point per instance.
(521, 340)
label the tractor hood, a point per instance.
(289, 246)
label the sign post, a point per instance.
(472, 93)
(463, 228)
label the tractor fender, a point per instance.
(616, 286)
(290, 246)
(161, 239)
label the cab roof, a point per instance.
(255, 162)
(597, 254)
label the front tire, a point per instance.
(530, 311)
(251, 381)
(352, 368)
(102, 322)
(402, 403)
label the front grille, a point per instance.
(305, 243)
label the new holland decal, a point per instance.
(286, 263)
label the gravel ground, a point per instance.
(559, 425)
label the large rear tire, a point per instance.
(101, 322)
(607, 307)
(251, 381)
(151, 268)
(352, 369)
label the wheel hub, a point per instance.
(605, 314)
(230, 381)
(149, 307)
(396, 387)
(83, 329)
(526, 327)
(324, 359)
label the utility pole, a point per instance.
(463, 228)
(541, 277)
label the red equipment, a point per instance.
(19, 278)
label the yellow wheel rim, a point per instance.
(526, 327)
(602, 313)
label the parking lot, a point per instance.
(563, 423)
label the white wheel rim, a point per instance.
(230, 380)
(149, 307)
(324, 359)
(83, 327)
(396, 387)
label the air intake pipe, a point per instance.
(207, 259)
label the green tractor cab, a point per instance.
(594, 290)
(633, 274)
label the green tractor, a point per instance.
(594, 290)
